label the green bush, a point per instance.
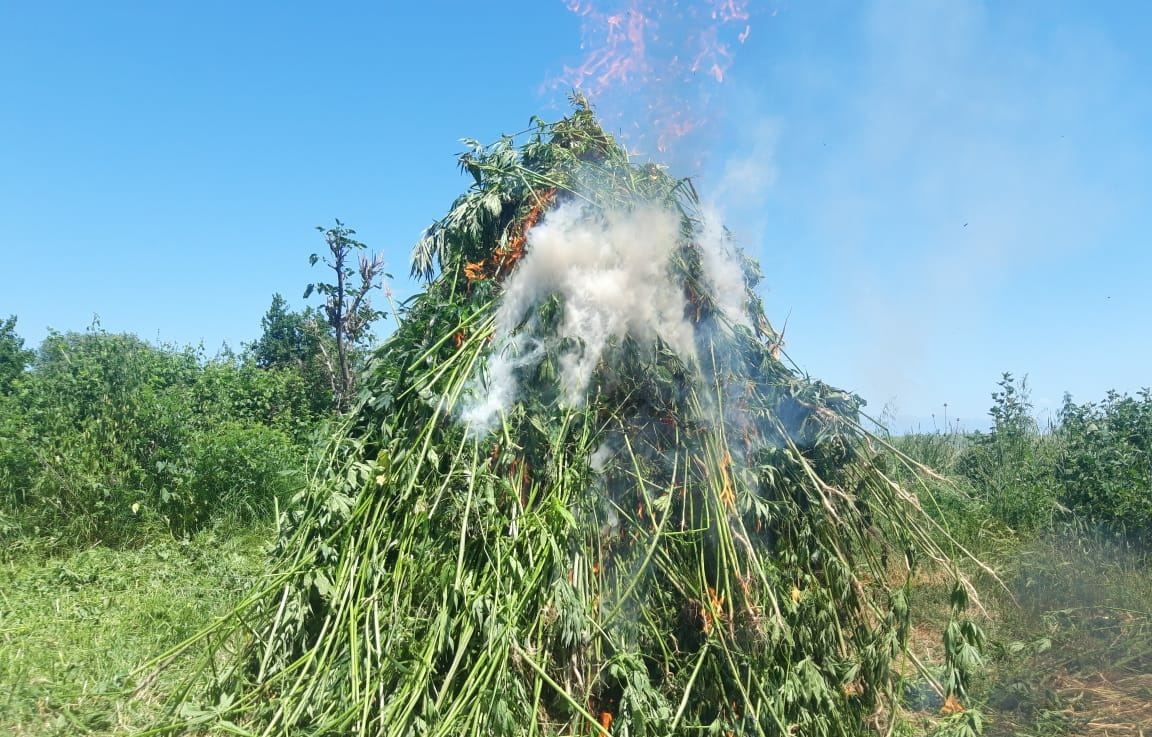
(237, 470)
(99, 415)
(277, 397)
(1094, 468)
(1104, 471)
(108, 438)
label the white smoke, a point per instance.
(723, 274)
(611, 273)
(598, 461)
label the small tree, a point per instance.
(13, 356)
(288, 339)
(347, 305)
(295, 342)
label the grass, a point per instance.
(73, 625)
(1081, 652)
(1070, 632)
(1069, 653)
(1069, 640)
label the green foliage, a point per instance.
(297, 342)
(968, 723)
(951, 499)
(1104, 471)
(109, 438)
(283, 398)
(1077, 597)
(288, 338)
(940, 451)
(14, 359)
(98, 418)
(963, 647)
(240, 467)
(1093, 468)
(1010, 466)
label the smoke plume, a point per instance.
(610, 272)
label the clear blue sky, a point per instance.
(938, 190)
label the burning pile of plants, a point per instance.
(583, 493)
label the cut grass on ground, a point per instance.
(1069, 644)
(1071, 656)
(74, 625)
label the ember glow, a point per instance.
(668, 55)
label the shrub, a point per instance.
(1105, 465)
(17, 462)
(100, 416)
(108, 437)
(281, 398)
(236, 471)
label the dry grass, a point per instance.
(1070, 642)
(1108, 704)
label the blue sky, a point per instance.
(938, 190)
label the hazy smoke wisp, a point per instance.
(722, 271)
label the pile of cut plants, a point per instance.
(583, 492)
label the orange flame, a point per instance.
(728, 10)
(668, 53)
(606, 719)
(620, 57)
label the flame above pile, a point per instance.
(669, 55)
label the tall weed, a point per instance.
(1011, 466)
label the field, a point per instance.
(616, 441)
(1069, 649)
(1069, 620)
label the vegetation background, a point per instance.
(140, 485)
